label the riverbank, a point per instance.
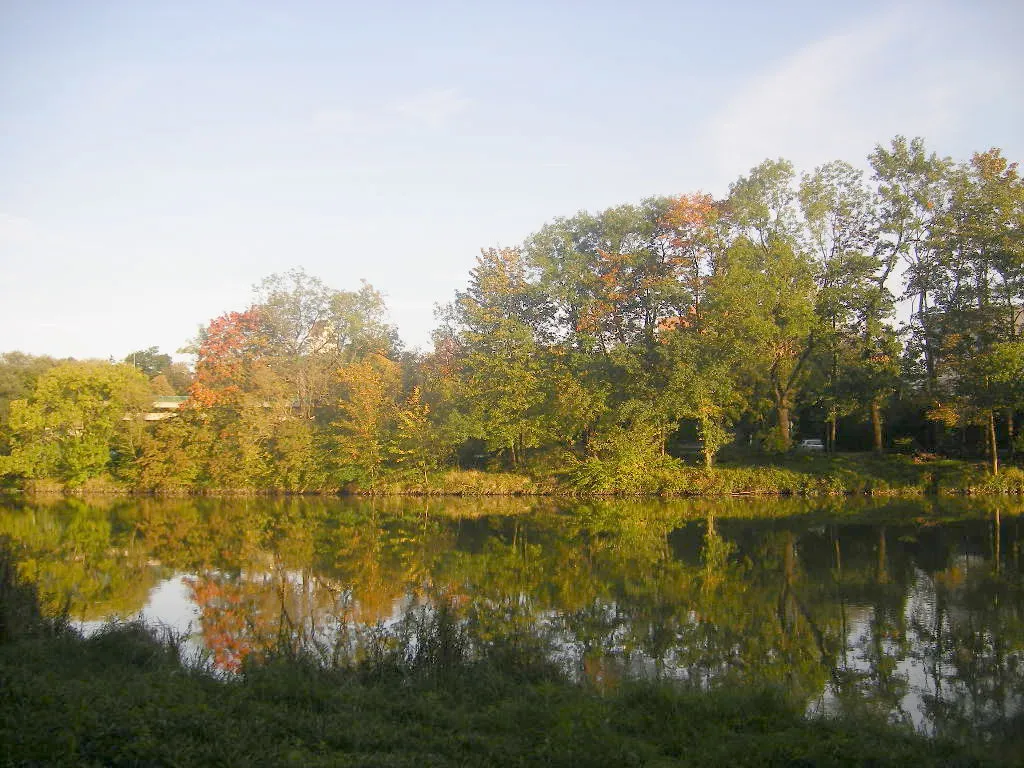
(810, 475)
(123, 697)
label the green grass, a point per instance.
(123, 697)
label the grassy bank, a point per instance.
(790, 475)
(852, 474)
(122, 697)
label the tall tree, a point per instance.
(297, 336)
(853, 300)
(361, 324)
(227, 351)
(611, 281)
(699, 382)
(913, 187)
(693, 239)
(308, 330)
(765, 293)
(978, 238)
(150, 361)
(418, 444)
(501, 367)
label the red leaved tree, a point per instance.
(227, 351)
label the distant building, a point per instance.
(164, 407)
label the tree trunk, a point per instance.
(833, 413)
(929, 364)
(993, 446)
(876, 426)
(782, 411)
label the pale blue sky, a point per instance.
(157, 159)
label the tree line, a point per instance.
(876, 311)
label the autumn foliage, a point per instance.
(229, 347)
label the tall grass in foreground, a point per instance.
(420, 694)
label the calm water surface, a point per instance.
(914, 608)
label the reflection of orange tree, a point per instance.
(316, 572)
(724, 599)
(234, 625)
(262, 611)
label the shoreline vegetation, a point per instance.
(802, 476)
(424, 693)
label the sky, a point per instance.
(157, 160)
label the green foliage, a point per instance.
(460, 483)
(150, 361)
(173, 454)
(419, 445)
(81, 420)
(622, 459)
(18, 375)
(501, 383)
(368, 411)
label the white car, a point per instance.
(810, 445)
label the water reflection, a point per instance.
(913, 609)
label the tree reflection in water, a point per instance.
(909, 609)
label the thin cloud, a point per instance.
(839, 96)
(811, 102)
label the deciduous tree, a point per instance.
(81, 420)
